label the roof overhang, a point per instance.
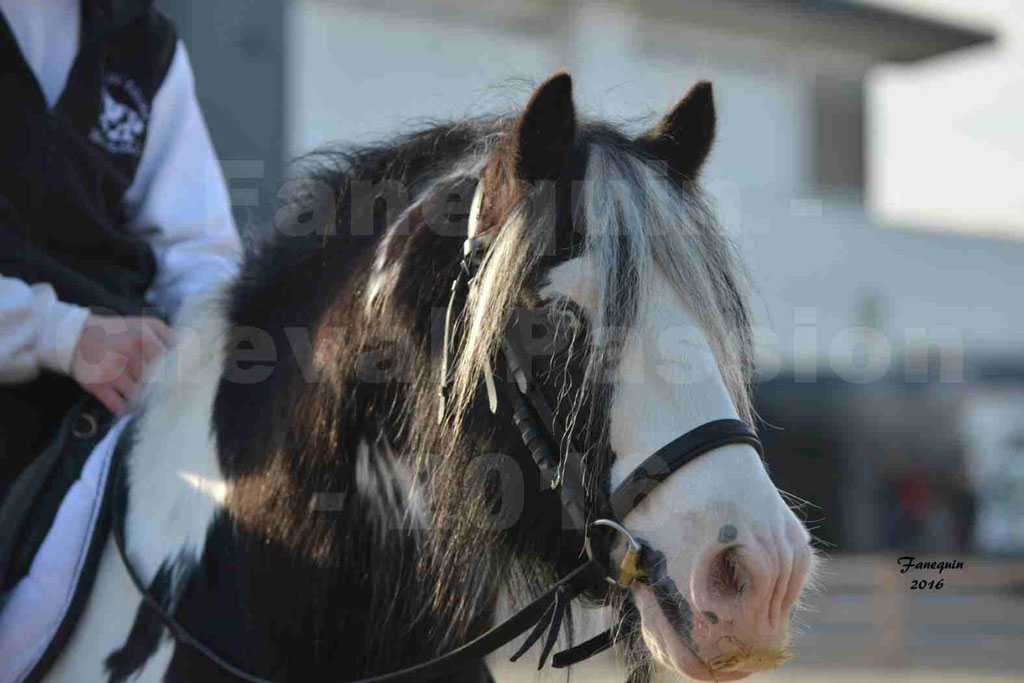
(879, 34)
(869, 33)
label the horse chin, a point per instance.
(677, 656)
(678, 652)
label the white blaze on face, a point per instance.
(668, 382)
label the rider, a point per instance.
(113, 212)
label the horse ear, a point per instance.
(543, 135)
(537, 148)
(684, 136)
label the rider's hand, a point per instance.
(112, 354)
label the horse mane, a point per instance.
(341, 477)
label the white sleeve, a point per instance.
(178, 201)
(37, 331)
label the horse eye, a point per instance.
(565, 321)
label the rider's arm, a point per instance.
(179, 200)
(37, 330)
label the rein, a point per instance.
(542, 434)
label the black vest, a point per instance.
(63, 175)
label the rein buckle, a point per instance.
(630, 568)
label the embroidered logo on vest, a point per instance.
(122, 122)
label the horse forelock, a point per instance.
(636, 218)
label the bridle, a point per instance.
(543, 435)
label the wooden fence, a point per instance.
(868, 615)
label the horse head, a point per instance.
(608, 240)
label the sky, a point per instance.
(946, 135)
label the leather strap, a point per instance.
(585, 650)
(644, 479)
(542, 432)
(678, 452)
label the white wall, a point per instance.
(357, 74)
(814, 265)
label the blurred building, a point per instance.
(893, 359)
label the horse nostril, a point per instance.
(726, 576)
